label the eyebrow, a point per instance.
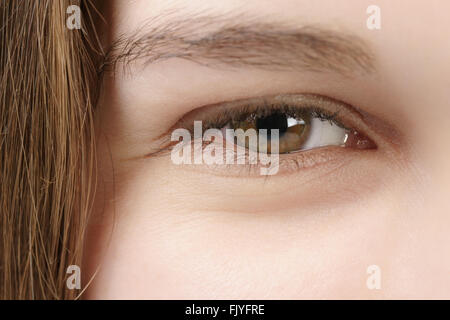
(229, 41)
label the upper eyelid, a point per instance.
(306, 100)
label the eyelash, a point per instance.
(246, 112)
(331, 110)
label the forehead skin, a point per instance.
(174, 237)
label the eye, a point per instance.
(304, 122)
(298, 130)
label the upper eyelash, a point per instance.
(251, 112)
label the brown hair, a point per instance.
(49, 85)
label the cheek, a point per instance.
(157, 239)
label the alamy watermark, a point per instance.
(74, 20)
(374, 280)
(74, 280)
(374, 20)
(208, 148)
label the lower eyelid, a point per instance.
(328, 184)
(289, 163)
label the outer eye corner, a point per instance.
(357, 140)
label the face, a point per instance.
(359, 204)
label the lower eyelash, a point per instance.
(288, 163)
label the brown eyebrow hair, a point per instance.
(230, 41)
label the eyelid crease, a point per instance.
(215, 114)
(251, 112)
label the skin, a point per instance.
(161, 231)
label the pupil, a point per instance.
(273, 121)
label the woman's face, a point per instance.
(368, 219)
